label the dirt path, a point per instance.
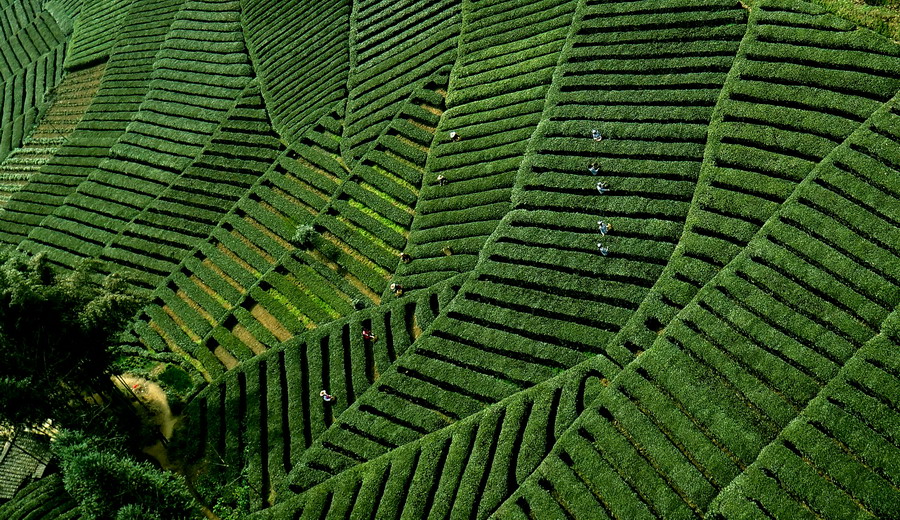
(153, 406)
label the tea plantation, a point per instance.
(507, 259)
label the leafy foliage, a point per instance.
(56, 334)
(303, 236)
(106, 483)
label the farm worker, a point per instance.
(454, 136)
(397, 289)
(326, 396)
(603, 249)
(594, 169)
(405, 258)
(602, 187)
(367, 334)
(441, 180)
(595, 135)
(605, 227)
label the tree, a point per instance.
(56, 333)
(108, 484)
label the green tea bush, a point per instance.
(125, 83)
(273, 401)
(300, 80)
(532, 304)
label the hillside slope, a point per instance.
(557, 259)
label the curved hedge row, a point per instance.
(494, 111)
(531, 307)
(199, 71)
(302, 80)
(802, 82)
(125, 83)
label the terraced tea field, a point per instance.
(560, 259)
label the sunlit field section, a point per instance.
(123, 86)
(743, 360)
(802, 82)
(258, 418)
(199, 71)
(343, 258)
(216, 276)
(495, 339)
(507, 54)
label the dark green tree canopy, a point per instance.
(107, 483)
(56, 334)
